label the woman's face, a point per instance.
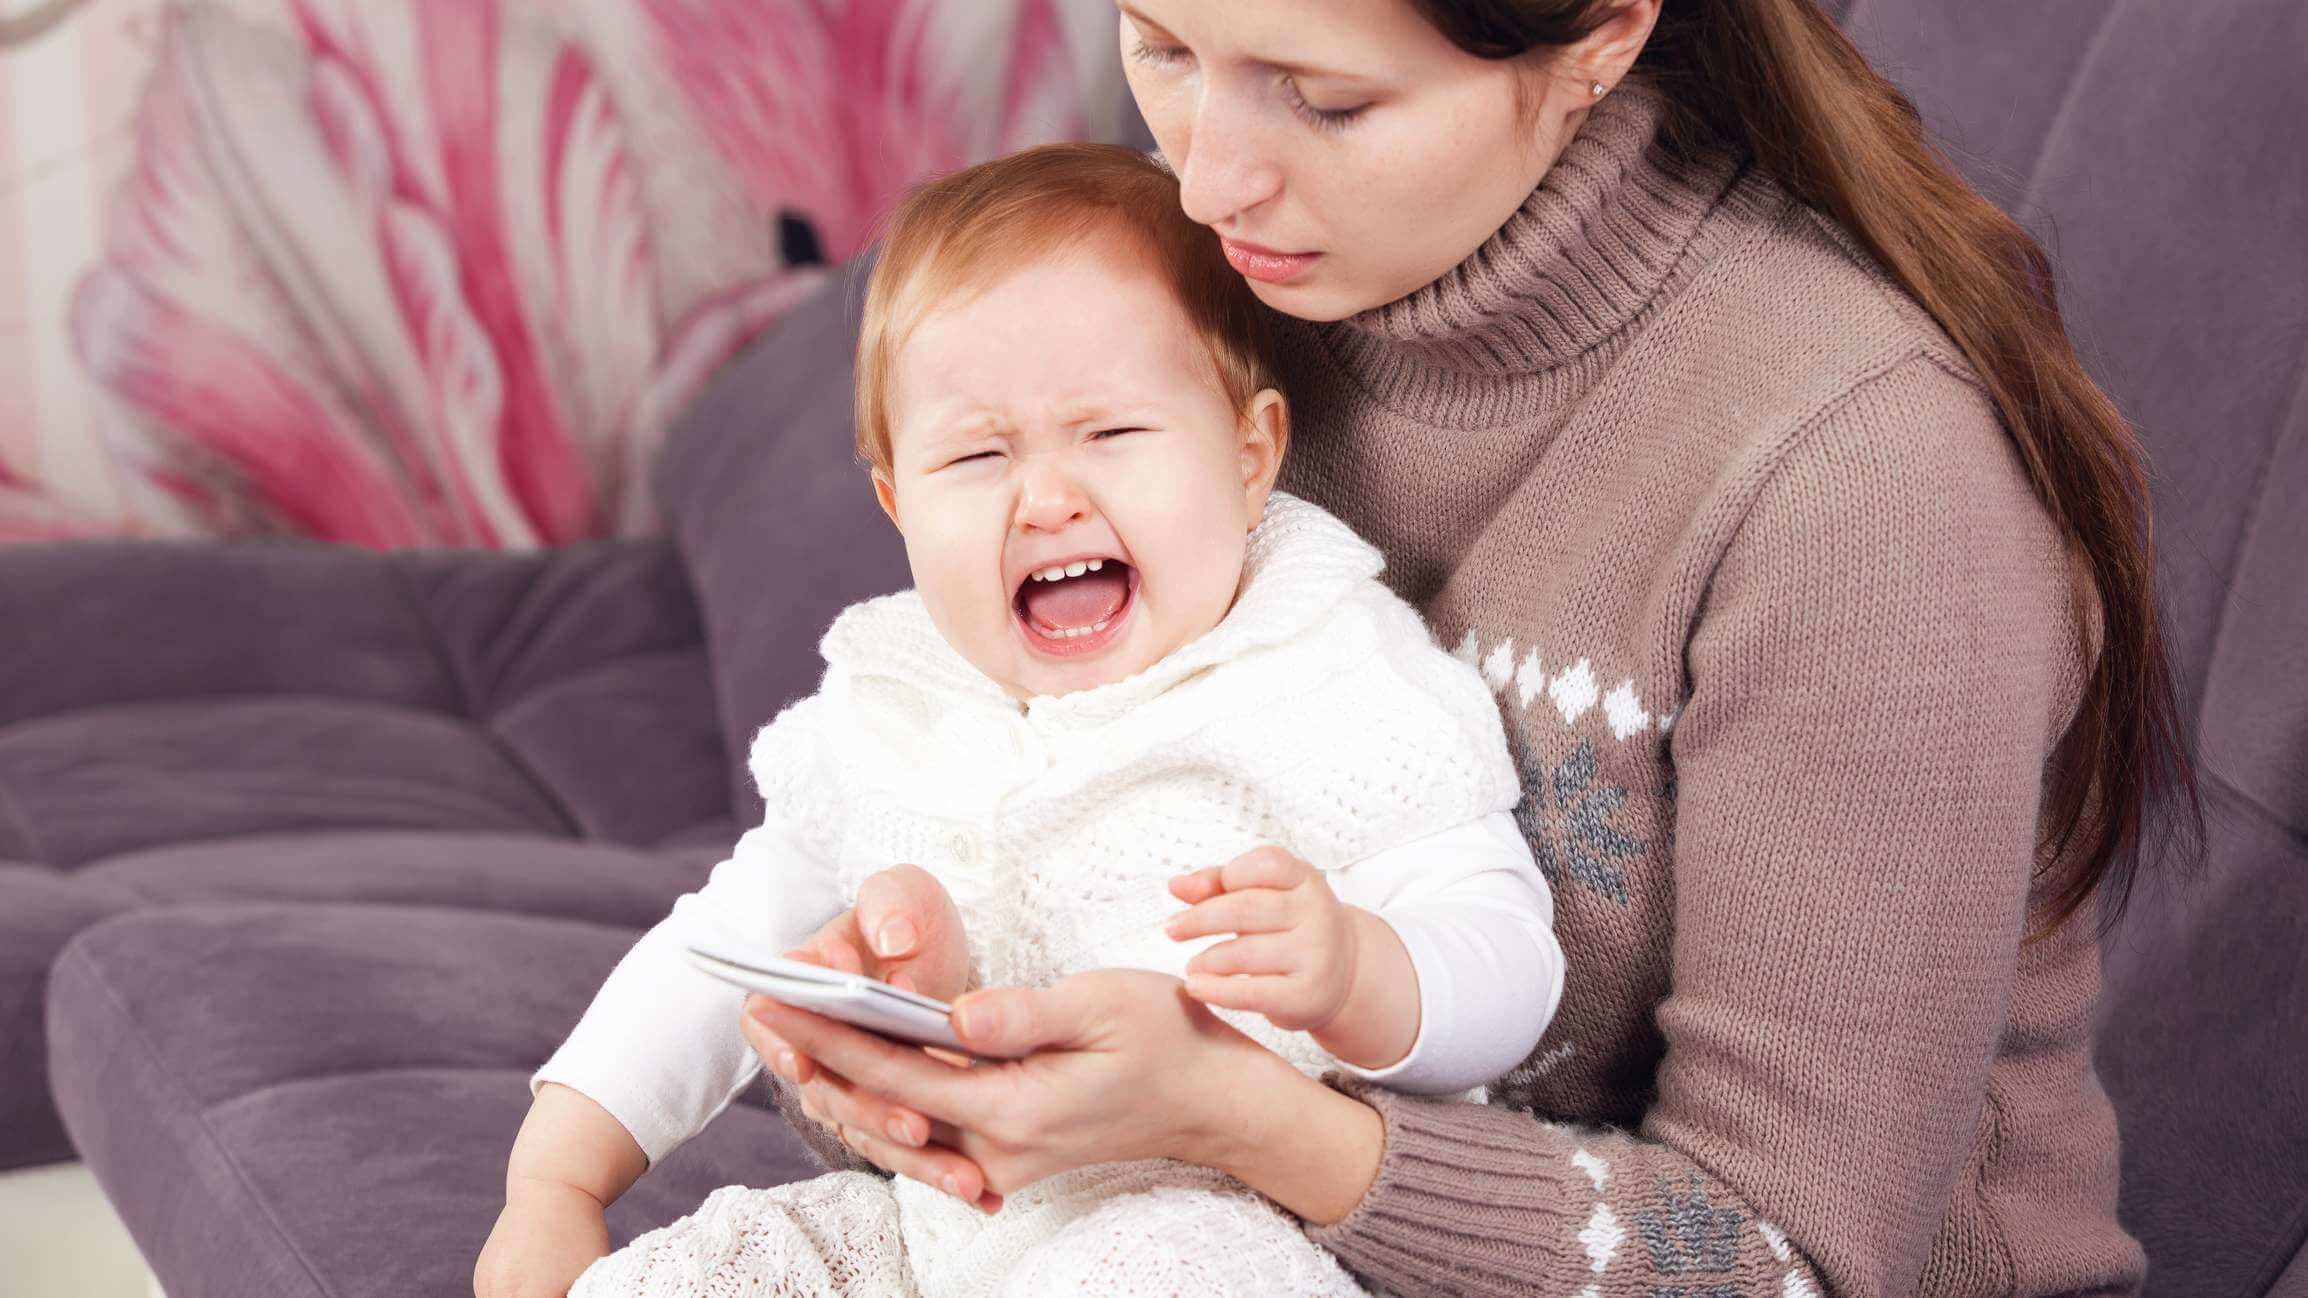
(1344, 150)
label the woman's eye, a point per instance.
(1156, 55)
(1327, 119)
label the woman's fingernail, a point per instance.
(785, 1064)
(975, 1020)
(899, 1131)
(895, 937)
(952, 1185)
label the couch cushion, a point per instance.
(102, 623)
(601, 883)
(327, 1108)
(2201, 1044)
(41, 909)
(2256, 698)
(774, 517)
(104, 780)
(237, 687)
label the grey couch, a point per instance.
(308, 856)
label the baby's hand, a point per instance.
(1294, 957)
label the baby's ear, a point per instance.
(886, 493)
(1265, 439)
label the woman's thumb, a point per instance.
(1007, 1022)
(897, 909)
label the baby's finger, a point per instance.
(1260, 953)
(1196, 885)
(1264, 867)
(1260, 910)
(1258, 994)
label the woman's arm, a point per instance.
(1875, 685)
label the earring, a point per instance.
(1599, 89)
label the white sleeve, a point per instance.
(659, 1047)
(1478, 920)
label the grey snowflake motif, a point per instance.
(1566, 816)
(1687, 1233)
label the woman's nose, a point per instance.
(1224, 173)
(1049, 499)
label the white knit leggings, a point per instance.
(1154, 1229)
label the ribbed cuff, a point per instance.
(1468, 1199)
(818, 1138)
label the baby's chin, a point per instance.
(1041, 678)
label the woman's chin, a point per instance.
(1316, 296)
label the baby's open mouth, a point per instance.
(1071, 607)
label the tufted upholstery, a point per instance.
(311, 855)
(186, 723)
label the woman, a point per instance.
(1741, 445)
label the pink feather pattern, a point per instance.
(394, 281)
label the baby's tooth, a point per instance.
(1096, 564)
(1052, 574)
(1077, 568)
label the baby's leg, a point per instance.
(834, 1236)
(1181, 1242)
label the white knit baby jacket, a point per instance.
(1319, 716)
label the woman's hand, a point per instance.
(1124, 1065)
(906, 931)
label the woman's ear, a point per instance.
(1265, 439)
(1605, 55)
(886, 493)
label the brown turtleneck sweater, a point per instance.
(1783, 644)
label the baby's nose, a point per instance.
(1049, 498)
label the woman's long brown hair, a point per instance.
(1780, 79)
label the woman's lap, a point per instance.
(1118, 1229)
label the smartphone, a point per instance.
(852, 998)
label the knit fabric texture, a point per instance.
(1115, 1230)
(1782, 643)
(1319, 716)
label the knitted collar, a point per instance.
(1587, 251)
(1301, 562)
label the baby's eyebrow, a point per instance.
(968, 427)
(1106, 412)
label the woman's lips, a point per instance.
(1265, 264)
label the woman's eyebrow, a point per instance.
(1284, 66)
(1132, 12)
